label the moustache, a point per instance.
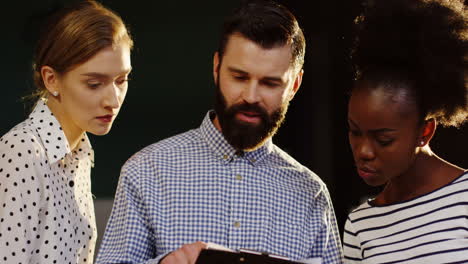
(246, 107)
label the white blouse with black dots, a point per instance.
(46, 205)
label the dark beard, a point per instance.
(242, 135)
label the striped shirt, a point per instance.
(432, 228)
(193, 187)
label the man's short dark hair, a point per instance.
(268, 24)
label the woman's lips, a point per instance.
(105, 118)
(366, 172)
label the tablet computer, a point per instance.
(214, 256)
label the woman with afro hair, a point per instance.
(410, 61)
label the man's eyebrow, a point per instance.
(235, 70)
(267, 78)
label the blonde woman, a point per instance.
(81, 66)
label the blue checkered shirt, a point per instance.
(193, 187)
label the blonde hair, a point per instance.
(75, 34)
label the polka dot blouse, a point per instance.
(46, 206)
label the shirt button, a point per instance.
(71, 183)
(239, 177)
(225, 157)
(236, 224)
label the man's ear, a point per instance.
(50, 79)
(216, 67)
(297, 84)
(428, 131)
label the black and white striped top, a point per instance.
(432, 228)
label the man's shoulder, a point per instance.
(175, 144)
(282, 159)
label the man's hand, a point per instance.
(187, 254)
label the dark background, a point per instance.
(171, 87)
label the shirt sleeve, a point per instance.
(128, 238)
(351, 245)
(20, 199)
(328, 243)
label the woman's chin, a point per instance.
(100, 131)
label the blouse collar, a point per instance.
(53, 138)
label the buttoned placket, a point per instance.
(237, 197)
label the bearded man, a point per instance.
(226, 182)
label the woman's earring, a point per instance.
(422, 143)
(55, 93)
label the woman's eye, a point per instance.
(94, 85)
(384, 142)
